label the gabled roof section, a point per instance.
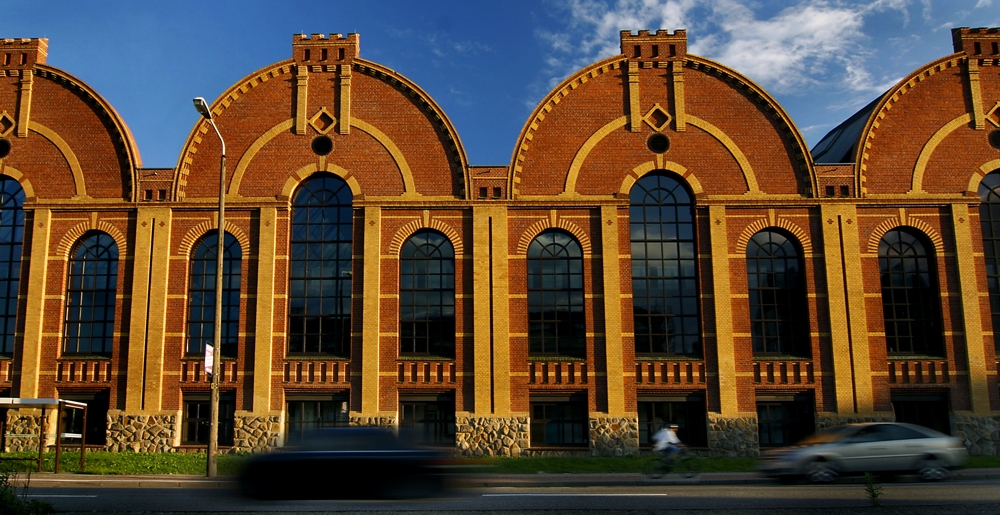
(841, 144)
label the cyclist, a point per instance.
(667, 443)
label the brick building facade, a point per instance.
(662, 247)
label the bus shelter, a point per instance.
(45, 405)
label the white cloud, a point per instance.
(810, 43)
(984, 3)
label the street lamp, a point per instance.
(213, 428)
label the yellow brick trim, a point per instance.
(251, 152)
(734, 150)
(302, 174)
(905, 221)
(888, 101)
(977, 177)
(588, 146)
(70, 238)
(409, 229)
(803, 240)
(531, 232)
(68, 155)
(203, 229)
(659, 164)
(14, 173)
(917, 183)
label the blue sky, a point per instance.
(486, 63)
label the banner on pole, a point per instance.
(209, 361)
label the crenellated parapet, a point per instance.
(23, 53)
(661, 46)
(319, 49)
(977, 43)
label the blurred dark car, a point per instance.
(887, 448)
(347, 462)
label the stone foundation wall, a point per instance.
(256, 434)
(378, 421)
(614, 436)
(142, 433)
(22, 431)
(491, 436)
(733, 437)
(980, 434)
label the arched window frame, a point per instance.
(556, 318)
(11, 248)
(989, 217)
(320, 267)
(665, 293)
(779, 315)
(427, 295)
(91, 295)
(201, 295)
(911, 303)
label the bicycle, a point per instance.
(683, 464)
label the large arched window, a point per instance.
(556, 323)
(427, 295)
(664, 271)
(90, 295)
(201, 295)
(11, 236)
(778, 315)
(319, 290)
(910, 301)
(989, 216)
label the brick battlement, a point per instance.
(978, 42)
(23, 52)
(323, 49)
(661, 46)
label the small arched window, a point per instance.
(427, 295)
(90, 296)
(11, 237)
(319, 290)
(778, 314)
(201, 295)
(989, 217)
(910, 300)
(556, 322)
(664, 267)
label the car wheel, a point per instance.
(932, 469)
(820, 472)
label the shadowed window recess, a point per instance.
(989, 216)
(11, 237)
(427, 419)
(779, 323)
(910, 298)
(195, 423)
(556, 320)
(90, 296)
(307, 413)
(319, 291)
(201, 296)
(664, 268)
(427, 296)
(558, 420)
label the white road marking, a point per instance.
(65, 496)
(576, 495)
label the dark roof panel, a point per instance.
(841, 144)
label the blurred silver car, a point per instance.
(859, 448)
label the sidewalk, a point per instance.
(465, 480)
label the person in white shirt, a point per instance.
(667, 442)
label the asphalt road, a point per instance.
(946, 498)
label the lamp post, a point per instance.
(213, 428)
